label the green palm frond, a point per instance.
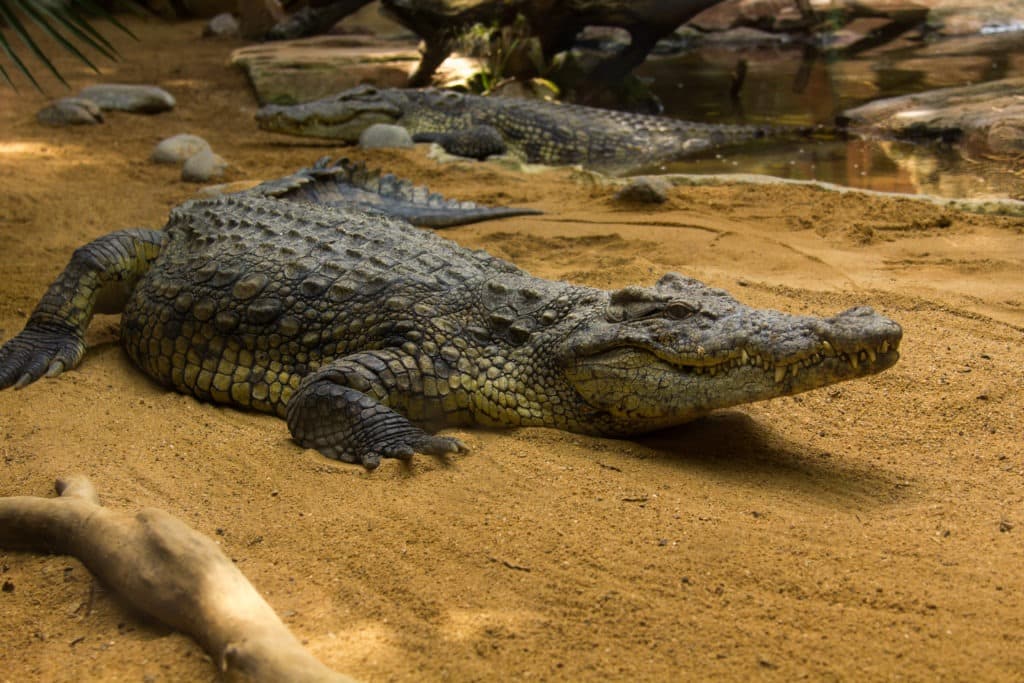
(66, 22)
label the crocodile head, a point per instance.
(664, 355)
(339, 117)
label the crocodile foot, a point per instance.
(347, 425)
(36, 351)
(478, 142)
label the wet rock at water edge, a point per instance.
(203, 166)
(384, 135)
(178, 148)
(989, 115)
(140, 99)
(70, 111)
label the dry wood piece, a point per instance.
(169, 571)
(555, 24)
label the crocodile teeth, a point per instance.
(853, 360)
(744, 356)
(826, 348)
(780, 373)
(885, 346)
(871, 354)
(796, 368)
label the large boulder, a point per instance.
(289, 72)
(990, 115)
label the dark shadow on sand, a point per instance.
(731, 445)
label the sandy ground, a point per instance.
(874, 530)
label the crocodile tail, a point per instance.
(344, 183)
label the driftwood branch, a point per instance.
(168, 570)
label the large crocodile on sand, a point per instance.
(367, 333)
(534, 131)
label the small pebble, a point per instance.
(203, 166)
(644, 190)
(70, 111)
(224, 25)
(142, 99)
(383, 135)
(178, 148)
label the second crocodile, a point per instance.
(533, 131)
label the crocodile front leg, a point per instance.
(98, 279)
(347, 410)
(477, 142)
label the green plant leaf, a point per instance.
(45, 24)
(93, 8)
(80, 26)
(52, 17)
(3, 71)
(8, 15)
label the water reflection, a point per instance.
(784, 85)
(872, 165)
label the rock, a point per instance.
(142, 99)
(178, 148)
(745, 35)
(384, 135)
(224, 25)
(302, 70)
(1007, 135)
(203, 166)
(644, 189)
(765, 14)
(313, 20)
(990, 114)
(70, 111)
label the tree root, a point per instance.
(171, 572)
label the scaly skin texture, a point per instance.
(534, 131)
(366, 333)
(344, 183)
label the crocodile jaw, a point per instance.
(339, 117)
(635, 387)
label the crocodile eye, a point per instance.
(680, 310)
(614, 314)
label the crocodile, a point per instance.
(368, 334)
(534, 131)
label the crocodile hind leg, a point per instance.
(98, 279)
(347, 410)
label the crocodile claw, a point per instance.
(38, 351)
(346, 424)
(437, 446)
